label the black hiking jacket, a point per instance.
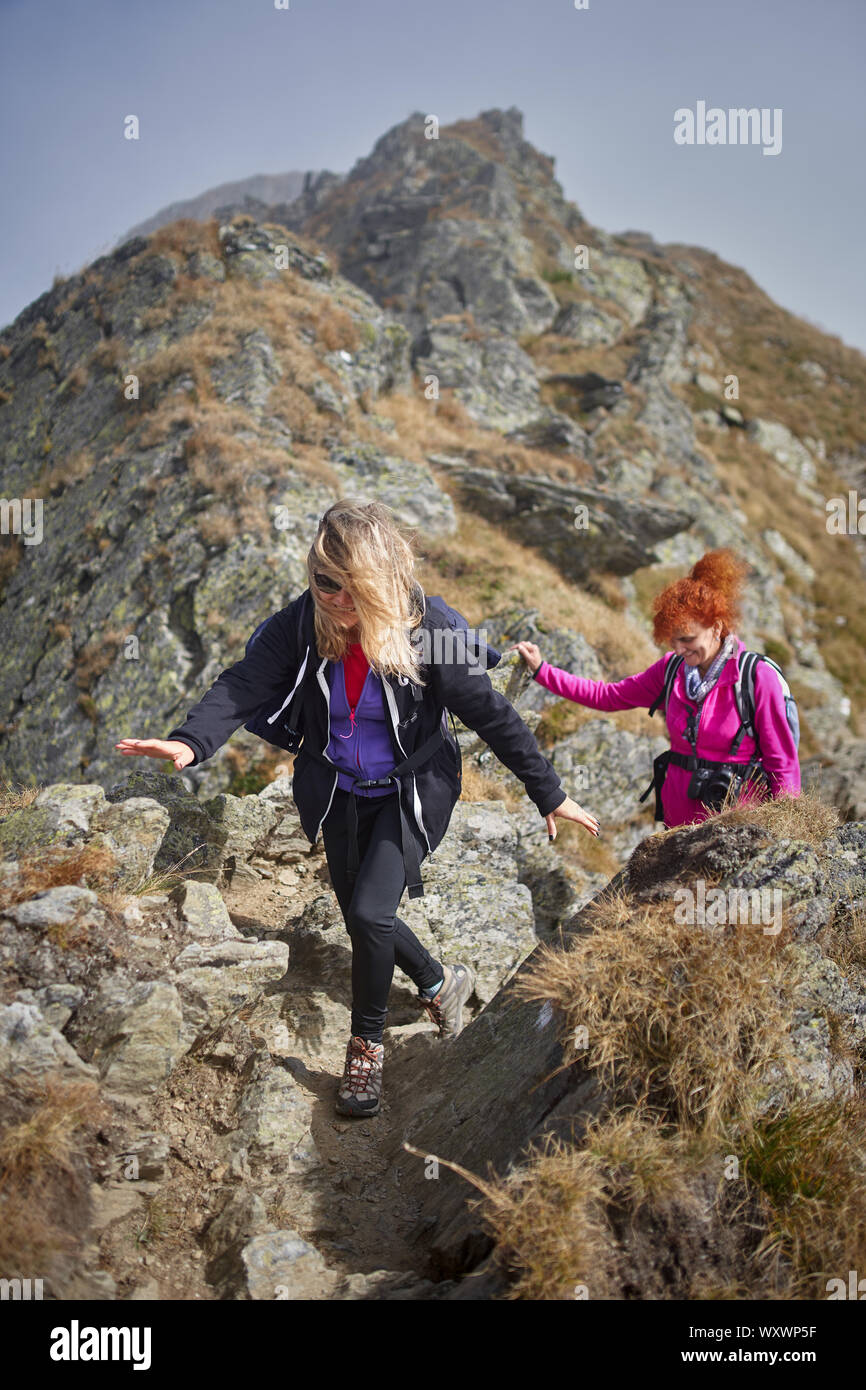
(284, 656)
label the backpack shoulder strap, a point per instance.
(664, 694)
(744, 698)
(744, 693)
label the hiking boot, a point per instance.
(446, 1008)
(361, 1088)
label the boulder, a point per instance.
(30, 1046)
(133, 1032)
(213, 977)
(280, 1265)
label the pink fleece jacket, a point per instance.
(718, 723)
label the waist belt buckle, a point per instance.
(374, 782)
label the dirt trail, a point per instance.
(350, 1207)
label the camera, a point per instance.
(711, 784)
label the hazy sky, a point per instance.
(228, 88)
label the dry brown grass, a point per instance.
(43, 1182)
(684, 1026)
(89, 866)
(58, 475)
(477, 787)
(566, 717)
(693, 1016)
(808, 1167)
(109, 353)
(764, 346)
(47, 1136)
(95, 658)
(550, 1216)
(430, 426)
(14, 798)
(481, 574)
(426, 427)
(547, 1219)
(688, 1029)
(844, 940)
(765, 493)
(182, 237)
(11, 550)
(805, 817)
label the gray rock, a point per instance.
(274, 1115)
(145, 1156)
(777, 440)
(57, 1003)
(215, 977)
(241, 1216)
(607, 769)
(490, 374)
(587, 324)
(63, 906)
(408, 488)
(67, 814)
(203, 912)
(809, 917)
(554, 431)
(474, 908)
(580, 529)
(280, 1265)
(392, 1285)
(30, 1046)
(134, 1033)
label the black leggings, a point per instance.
(379, 939)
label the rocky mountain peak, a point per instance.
(563, 435)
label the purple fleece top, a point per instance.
(360, 741)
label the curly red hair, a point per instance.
(709, 594)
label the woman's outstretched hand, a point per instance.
(531, 655)
(180, 753)
(569, 810)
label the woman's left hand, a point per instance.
(569, 810)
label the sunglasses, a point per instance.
(326, 584)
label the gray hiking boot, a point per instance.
(360, 1090)
(446, 1008)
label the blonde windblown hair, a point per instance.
(363, 548)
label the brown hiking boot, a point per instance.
(361, 1088)
(446, 1008)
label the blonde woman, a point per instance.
(378, 773)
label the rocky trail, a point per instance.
(347, 1203)
(210, 1020)
(214, 1017)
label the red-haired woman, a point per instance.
(710, 750)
